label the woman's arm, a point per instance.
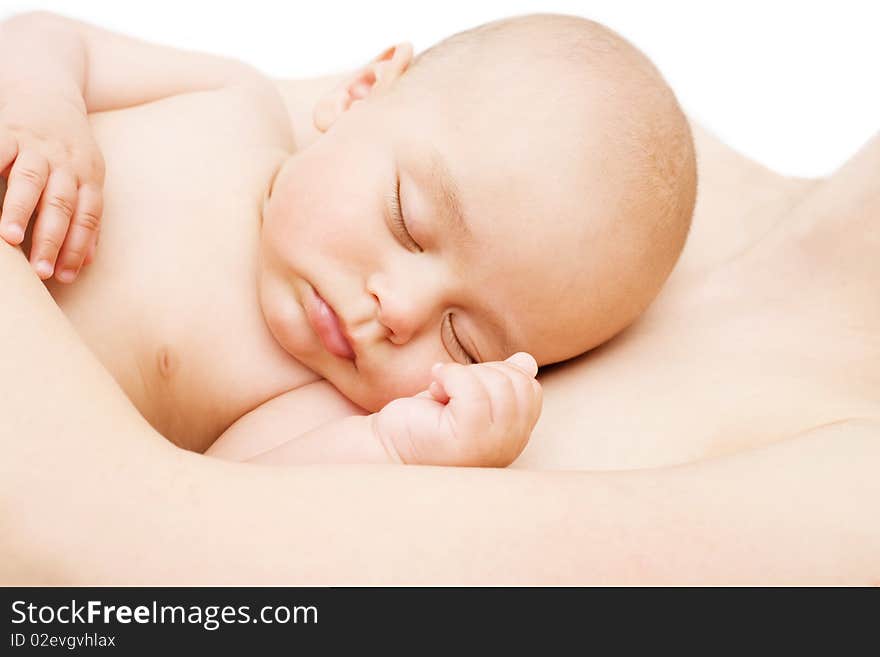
(89, 493)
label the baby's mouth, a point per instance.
(326, 325)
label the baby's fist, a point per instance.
(471, 415)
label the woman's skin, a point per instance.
(767, 327)
(91, 494)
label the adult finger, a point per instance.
(53, 219)
(26, 182)
(82, 234)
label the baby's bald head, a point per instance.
(523, 186)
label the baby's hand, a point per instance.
(54, 167)
(471, 415)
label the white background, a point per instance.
(794, 85)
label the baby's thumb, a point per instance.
(525, 362)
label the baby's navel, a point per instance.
(167, 362)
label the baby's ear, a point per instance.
(376, 76)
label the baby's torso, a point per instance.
(170, 303)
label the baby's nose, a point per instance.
(400, 317)
(402, 309)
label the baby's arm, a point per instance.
(53, 72)
(283, 419)
(476, 415)
(109, 71)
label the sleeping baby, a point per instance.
(362, 268)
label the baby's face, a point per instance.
(419, 230)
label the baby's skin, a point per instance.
(271, 283)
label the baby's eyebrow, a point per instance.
(447, 191)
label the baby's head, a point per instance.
(546, 180)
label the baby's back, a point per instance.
(170, 303)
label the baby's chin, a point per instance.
(371, 391)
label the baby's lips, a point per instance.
(525, 362)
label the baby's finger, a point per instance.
(469, 404)
(8, 150)
(26, 182)
(82, 235)
(527, 393)
(90, 255)
(509, 416)
(507, 403)
(56, 208)
(436, 389)
(524, 384)
(525, 362)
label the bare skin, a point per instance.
(194, 354)
(163, 351)
(761, 338)
(802, 509)
(766, 329)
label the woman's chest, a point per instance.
(787, 339)
(708, 376)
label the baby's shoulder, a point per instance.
(259, 110)
(224, 122)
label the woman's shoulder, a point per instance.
(738, 200)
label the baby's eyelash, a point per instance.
(453, 339)
(398, 222)
(394, 202)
